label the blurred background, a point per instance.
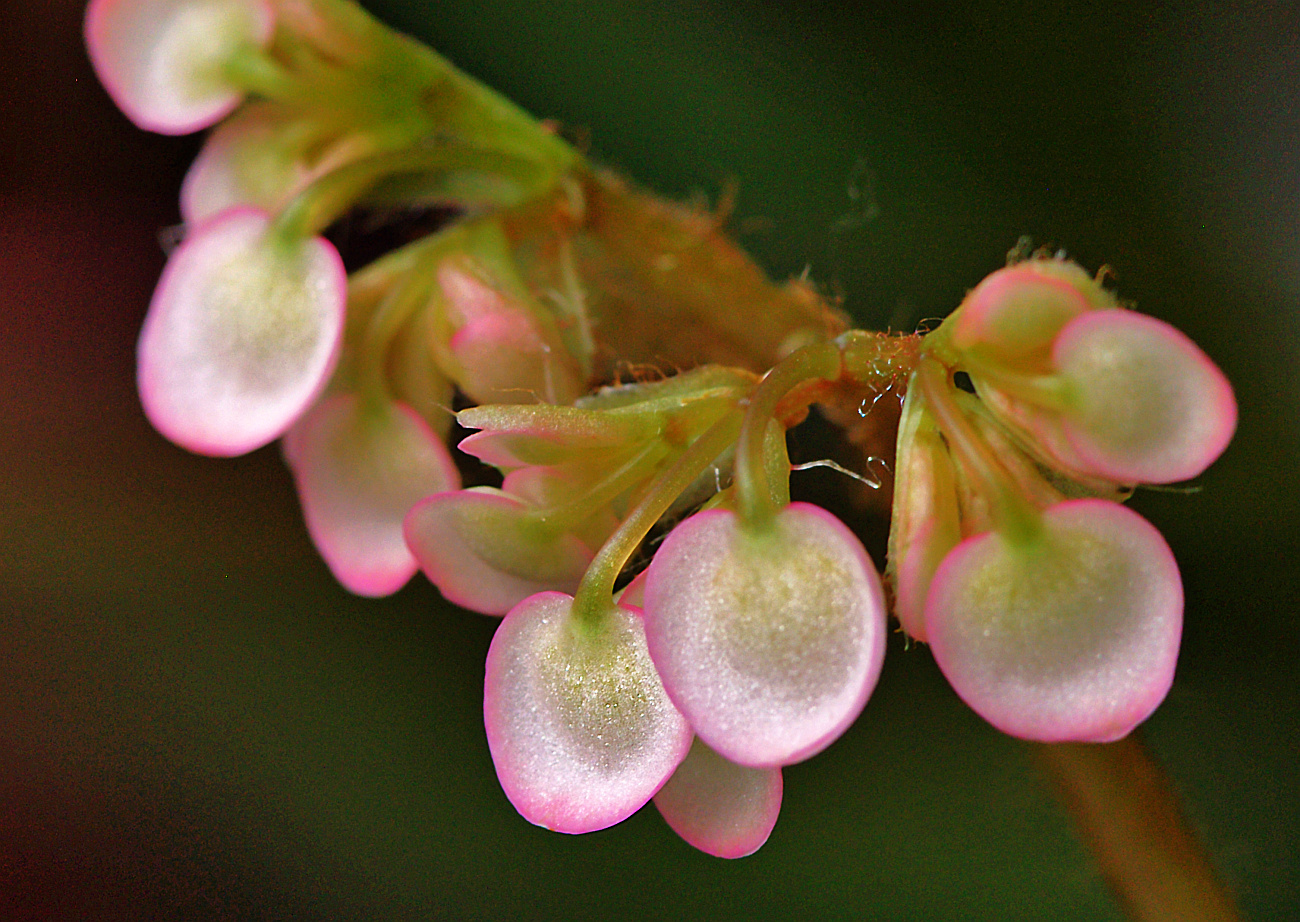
(197, 723)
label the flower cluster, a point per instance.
(756, 632)
(1053, 610)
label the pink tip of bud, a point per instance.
(769, 642)
(359, 469)
(1150, 406)
(579, 727)
(502, 351)
(723, 809)
(241, 336)
(483, 550)
(1073, 636)
(162, 60)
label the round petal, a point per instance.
(723, 809)
(768, 642)
(241, 335)
(1015, 313)
(162, 60)
(1148, 405)
(484, 551)
(359, 470)
(1072, 637)
(580, 729)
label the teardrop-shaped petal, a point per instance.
(580, 729)
(1073, 636)
(723, 809)
(360, 468)
(771, 641)
(162, 60)
(486, 552)
(241, 336)
(1148, 405)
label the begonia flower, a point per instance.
(581, 732)
(242, 334)
(501, 351)
(255, 158)
(487, 550)
(164, 61)
(1144, 404)
(1096, 390)
(769, 641)
(1072, 635)
(721, 808)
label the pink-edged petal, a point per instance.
(163, 61)
(633, 594)
(486, 552)
(721, 808)
(243, 162)
(1148, 405)
(580, 729)
(241, 336)
(1040, 430)
(1071, 637)
(768, 642)
(1015, 313)
(359, 470)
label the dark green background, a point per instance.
(195, 722)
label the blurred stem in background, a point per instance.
(1127, 813)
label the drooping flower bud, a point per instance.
(360, 466)
(163, 61)
(249, 159)
(580, 729)
(769, 641)
(242, 334)
(486, 550)
(1070, 636)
